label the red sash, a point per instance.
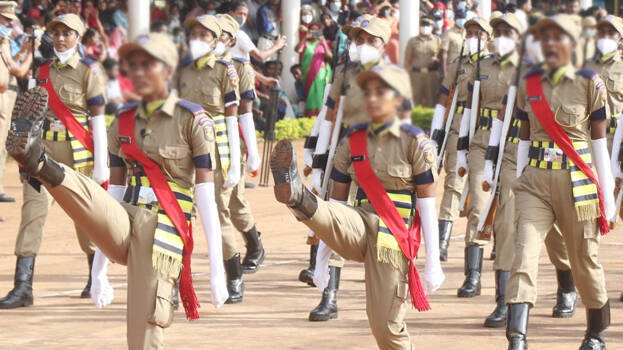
(408, 240)
(64, 114)
(166, 199)
(546, 117)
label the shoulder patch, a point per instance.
(534, 71)
(412, 130)
(587, 73)
(227, 63)
(356, 127)
(126, 107)
(192, 107)
(89, 62)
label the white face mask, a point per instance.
(199, 48)
(472, 45)
(353, 53)
(368, 53)
(64, 56)
(504, 45)
(606, 46)
(219, 50)
(426, 30)
(307, 19)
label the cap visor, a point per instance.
(127, 49)
(550, 22)
(367, 75)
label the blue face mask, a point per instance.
(4, 31)
(211, 12)
(334, 6)
(460, 22)
(462, 5)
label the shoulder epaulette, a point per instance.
(241, 60)
(126, 107)
(186, 61)
(412, 130)
(528, 60)
(192, 107)
(89, 62)
(587, 73)
(356, 127)
(227, 63)
(534, 71)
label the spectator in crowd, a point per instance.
(113, 89)
(297, 73)
(315, 55)
(94, 46)
(307, 17)
(268, 20)
(159, 27)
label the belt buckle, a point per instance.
(552, 155)
(57, 126)
(147, 196)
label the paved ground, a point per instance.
(276, 305)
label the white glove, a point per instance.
(464, 126)
(522, 156)
(616, 148)
(206, 207)
(102, 292)
(461, 160)
(604, 174)
(433, 274)
(101, 172)
(324, 136)
(316, 180)
(308, 155)
(248, 131)
(487, 174)
(233, 175)
(437, 122)
(321, 271)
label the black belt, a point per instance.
(13, 88)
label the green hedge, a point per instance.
(422, 117)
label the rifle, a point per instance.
(269, 135)
(473, 116)
(449, 117)
(485, 223)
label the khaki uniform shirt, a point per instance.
(424, 50)
(578, 98)
(6, 78)
(611, 71)
(400, 159)
(78, 85)
(214, 86)
(173, 138)
(451, 42)
(345, 79)
(247, 78)
(496, 75)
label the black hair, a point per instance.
(294, 66)
(233, 6)
(353, 15)
(155, 25)
(109, 63)
(90, 33)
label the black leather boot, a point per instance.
(235, 284)
(86, 292)
(597, 321)
(307, 275)
(566, 296)
(289, 188)
(621, 297)
(473, 268)
(445, 231)
(21, 294)
(517, 326)
(23, 142)
(254, 257)
(498, 316)
(327, 309)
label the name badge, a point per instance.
(552, 155)
(57, 126)
(147, 196)
(534, 98)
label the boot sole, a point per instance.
(495, 324)
(468, 295)
(563, 314)
(233, 301)
(25, 303)
(246, 269)
(306, 278)
(321, 318)
(29, 109)
(280, 162)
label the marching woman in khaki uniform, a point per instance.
(213, 83)
(422, 63)
(166, 145)
(502, 72)
(77, 90)
(391, 163)
(458, 76)
(478, 30)
(561, 109)
(241, 215)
